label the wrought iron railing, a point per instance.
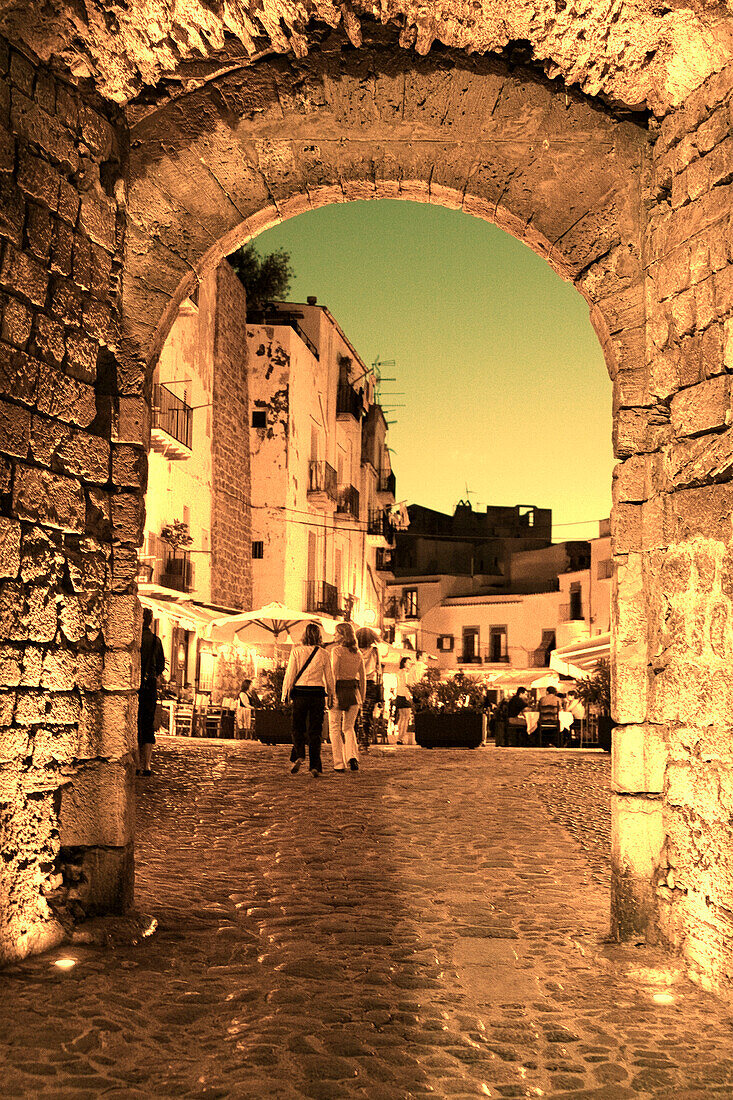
(385, 560)
(321, 597)
(378, 524)
(172, 414)
(322, 479)
(348, 501)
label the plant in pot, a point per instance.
(178, 571)
(273, 723)
(448, 713)
(594, 692)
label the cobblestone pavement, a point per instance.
(431, 926)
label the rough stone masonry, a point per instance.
(137, 151)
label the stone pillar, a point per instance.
(73, 433)
(681, 512)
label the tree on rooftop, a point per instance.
(265, 278)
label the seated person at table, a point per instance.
(516, 706)
(549, 706)
(577, 710)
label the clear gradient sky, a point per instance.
(501, 375)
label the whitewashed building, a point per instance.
(322, 485)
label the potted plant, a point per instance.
(273, 722)
(594, 692)
(448, 713)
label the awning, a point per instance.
(527, 677)
(181, 612)
(581, 657)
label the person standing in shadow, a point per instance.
(152, 665)
(308, 680)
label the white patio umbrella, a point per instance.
(273, 623)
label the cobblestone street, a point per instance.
(433, 925)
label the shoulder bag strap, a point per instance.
(305, 666)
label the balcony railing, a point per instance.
(349, 402)
(385, 560)
(159, 564)
(322, 479)
(321, 597)
(492, 657)
(172, 415)
(348, 501)
(387, 482)
(378, 524)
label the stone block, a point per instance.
(15, 427)
(122, 621)
(24, 275)
(53, 746)
(639, 757)
(121, 670)
(38, 179)
(82, 356)
(702, 408)
(690, 462)
(62, 249)
(128, 517)
(17, 323)
(40, 617)
(71, 618)
(129, 467)
(11, 212)
(65, 398)
(66, 302)
(39, 128)
(704, 512)
(89, 671)
(69, 202)
(11, 663)
(637, 844)
(18, 374)
(59, 670)
(47, 498)
(133, 421)
(632, 479)
(108, 726)
(9, 548)
(691, 693)
(63, 708)
(97, 219)
(48, 337)
(626, 528)
(69, 450)
(629, 659)
(97, 806)
(99, 514)
(124, 568)
(38, 229)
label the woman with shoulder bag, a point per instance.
(403, 705)
(348, 672)
(308, 678)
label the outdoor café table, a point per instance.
(532, 718)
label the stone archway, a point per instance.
(636, 214)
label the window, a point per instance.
(498, 650)
(445, 643)
(258, 549)
(605, 569)
(409, 602)
(576, 601)
(471, 653)
(259, 418)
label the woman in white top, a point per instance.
(348, 672)
(308, 678)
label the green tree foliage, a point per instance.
(177, 535)
(595, 690)
(265, 278)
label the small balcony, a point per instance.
(178, 573)
(322, 481)
(159, 564)
(172, 429)
(495, 657)
(385, 560)
(321, 598)
(379, 529)
(349, 402)
(387, 483)
(348, 501)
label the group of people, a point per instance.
(549, 707)
(345, 677)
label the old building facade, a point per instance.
(606, 147)
(320, 524)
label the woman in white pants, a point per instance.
(348, 672)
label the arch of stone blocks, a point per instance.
(109, 219)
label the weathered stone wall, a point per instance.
(231, 532)
(72, 469)
(673, 530)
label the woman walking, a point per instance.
(367, 641)
(350, 678)
(403, 705)
(308, 683)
